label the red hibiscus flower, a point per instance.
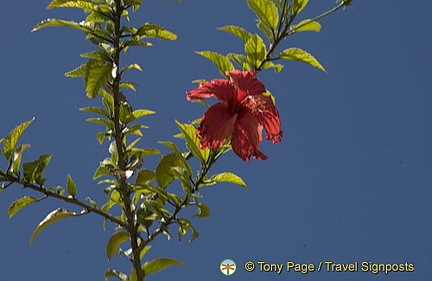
(242, 114)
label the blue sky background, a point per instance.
(350, 181)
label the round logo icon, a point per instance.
(228, 267)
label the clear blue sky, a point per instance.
(350, 181)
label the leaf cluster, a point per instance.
(276, 20)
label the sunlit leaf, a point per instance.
(266, 12)
(145, 176)
(114, 273)
(71, 186)
(97, 110)
(300, 55)
(98, 73)
(240, 32)
(19, 204)
(193, 142)
(228, 177)
(219, 60)
(114, 242)
(33, 171)
(307, 25)
(52, 217)
(153, 30)
(158, 265)
(203, 211)
(256, 51)
(11, 140)
(172, 165)
(17, 156)
(298, 6)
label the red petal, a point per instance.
(265, 111)
(216, 126)
(247, 136)
(221, 89)
(246, 83)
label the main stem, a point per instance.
(132, 226)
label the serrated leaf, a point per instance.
(298, 6)
(222, 62)
(307, 25)
(52, 217)
(114, 242)
(300, 55)
(228, 177)
(98, 73)
(11, 140)
(77, 72)
(19, 204)
(240, 32)
(158, 265)
(266, 12)
(71, 186)
(256, 51)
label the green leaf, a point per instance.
(71, 186)
(105, 122)
(145, 176)
(19, 204)
(77, 72)
(98, 73)
(33, 171)
(86, 27)
(172, 165)
(87, 5)
(153, 30)
(228, 177)
(256, 51)
(128, 85)
(114, 242)
(97, 110)
(240, 32)
(158, 265)
(266, 12)
(54, 216)
(307, 25)
(17, 156)
(298, 6)
(134, 65)
(114, 273)
(193, 142)
(300, 55)
(11, 140)
(203, 211)
(101, 171)
(269, 64)
(222, 62)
